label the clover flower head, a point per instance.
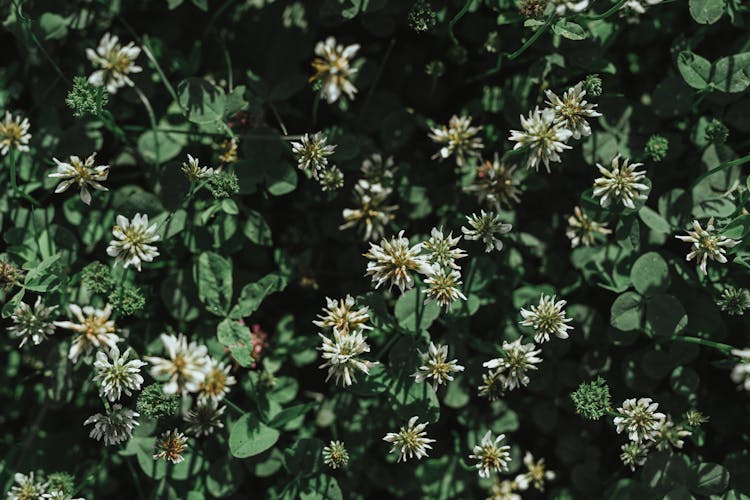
(343, 315)
(493, 384)
(371, 215)
(170, 446)
(634, 454)
(669, 435)
(205, 418)
(582, 229)
(115, 63)
(184, 369)
(620, 183)
(192, 169)
(332, 67)
(491, 455)
(115, 374)
(132, 241)
(312, 152)
(516, 361)
(14, 134)
(544, 136)
(410, 441)
(639, 419)
(457, 138)
(331, 178)
(442, 250)
(94, 327)
(81, 173)
(547, 318)
(734, 301)
(485, 227)
(26, 487)
(115, 427)
(741, 371)
(495, 184)
(572, 110)
(377, 169)
(394, 260)
(217, 381)
(708, 244)
(536, 473)
(342, 356)
(443, 286)
(335, 455)
(32, 323)
(435, 366)
(562, 6)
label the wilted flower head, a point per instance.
(311, 152)
(547, 318)
(620, 183)
(536, 473)
(371, 215)
(484, 227)
(572, 110)
(26, 487)
(115, 62)
(442, 250)
(205, 418)
(343, 315)
(734, 300)
(639, 419)
(582, 229)
(194, 171)
(132, 238)
(335, 455)
(118, 375)
(10, 276)
(186, 365)
(516, 361)
(31, 323)
(669, 435)
(14, 134)
(217, 382)
(170, 446)
(94, 327)
(494, 184)
(544, 137)
(443, 286)
(83, 174)
(410, 440)
(436, 367)
(707, 244)
(259, 339)
(115, 427)
(491, 455)
(458, 138)
(394, 260)
(634, 454)
(332, 66)
(378, 170)
(342, 355)
(741, 371)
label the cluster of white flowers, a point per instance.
(511, 369)
(81, 173)
(547, 318)
(94, 327)
(194, 171)
(14, 134)
(495, 184)
(32, 323)
(372, 214)
(708, 244)
(332, 66)
(485, 227)
(115, 63)
(457, 139)
(28, 487)
(132, 243)
(620, 183)
(410, 441)
(435, 366)
(583, 230)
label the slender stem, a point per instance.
(378, 75)
(316, 103)
(461, 13)
(134, 476)
(278, 118)
(606, 13)
(162, 76)
(388, 345)
(234, 407)
(533, 38)
(725, 348)
(727, 164)
(152, 120)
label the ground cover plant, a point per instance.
(375, 249)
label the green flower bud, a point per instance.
(657, 147)
(592, 400)
(153, 403)
(593, 85)
(86, 97)
(422, 17)
(716, 132)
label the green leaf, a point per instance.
(256, 229)
(201, 101)
(695, 70)
(569, 30)
(291, 413)
(738, 228)
(709, 479)
(654, 221)
(213, 275)
(650, 274)
(626, 312)
(413, 314)
(238, 339)
(322, 487)
(707, 11)
(281, 179)
(249, 437)
(732, 74)
(305, 458)
(53, 26)
(253, 294)
(665, 315)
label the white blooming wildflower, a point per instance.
(562, 6)
(504, 490)
(311, 152)
(119, 375)
(194, 171)
(634, 454)
(115, 427)
(132, 238)
(343, 315)
(170, 446)
(95, 329)
(491, 455)
(495, 185)
(582, 229)
(516, 361)
(544, 137)
(639, 419)
(493, 384)
(670, 436)
(26, 487)
(741, 371)
(184, 369)
(410, 441)
(734, 301)
(393, 262)
(217, 382)
(547, 318)
(708, 244)
(536, 473)
(572, 110)
(83, 174)
(620, 183)
(484, 227)
(205, 418)
(59, 495)
(342, 356)
(14, 134)
(443, 286)
(436, 367)
(442, 250)
(31, 323)
(371, 215)
(458, 138)
(335, 455)
(115, 61)
(639, 6)
(332, 66)
(331, 178)
(378, 170)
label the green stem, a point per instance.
(152, 121)
(234, 407)
(724, 348)
(378, 75)
(162, 76)
(727, 164)
(388, 345)
(461, 13)
(134, 476)
(533, 38)
(606, 13)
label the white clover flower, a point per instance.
(335, 455)
(185, 368)
(504, 490)
(493, 384)
(95, 329)
(26, 487)
(205, 419)
(634, 454)
(620, 183)
(394, 260)
(572, 110)
(312, 151)
(491, 455)
(495, 185)
(217, 382)
(119, 375)
(741, 371)
(544, 137)
(115, 62)
(132, 238)
(331, 178)
(734, 301)
(582, 229)
(436, 367)
(83, 174)
(194, 171)
(707, 244)
(343, 315)
(670, 436)
(115, 427)
(170, 446)
(484, 227)
(547, 318)
(639, 6)
(378, 170)
(458, 138)
(410, 441)
(516, 361)
(442, 250)
(342, 356)
(562, 6)
(639, 419)
(59, 495)
(536, 473)
(372, 215)
(332, 66)
(443, 286)
(31, 323)
(14, 134)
